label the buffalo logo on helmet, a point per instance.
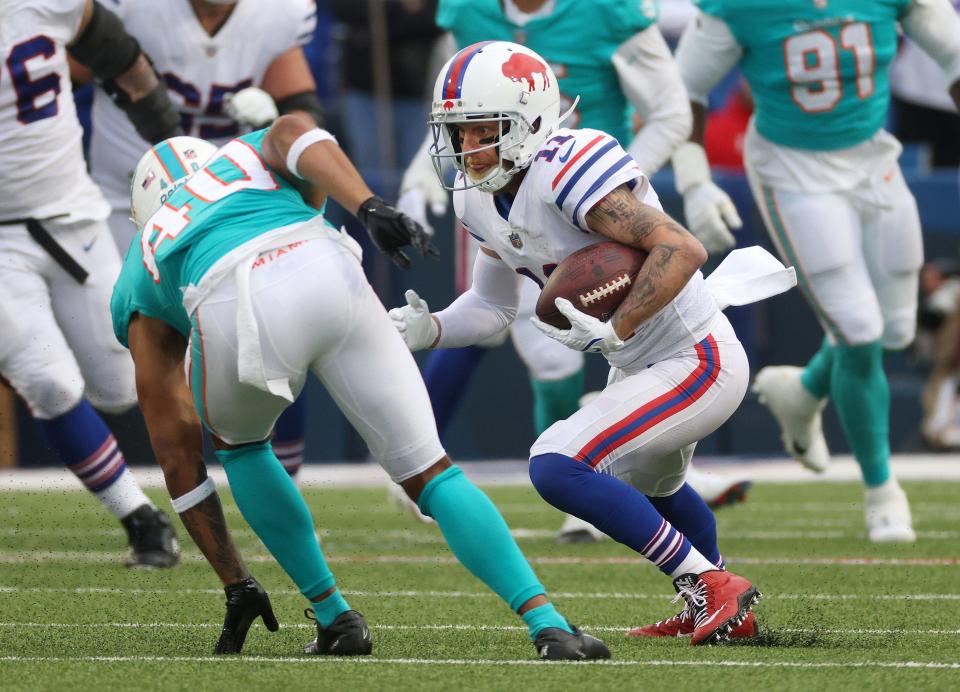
(515, 240)
(522, 68)
(447, 105)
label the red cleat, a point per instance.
(681, 625)
(718, 608)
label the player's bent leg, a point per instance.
(481, 541)
(862, 397)
(719, 601)
(270, 503)
(293, 333)
(40, 366)
(689, 513)
(82, 312)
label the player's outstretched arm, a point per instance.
(935, 26)
(651, 81)
(116, 61)
(674, 255)
(303, 153)
(488, 307)
(175, 435)
(707, 51)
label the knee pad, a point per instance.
(112, 388)
(899, 331)
(51, 392)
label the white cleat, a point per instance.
(576, 530)
(797, 412)
(400, 498)
(717, 491)
(888, 514)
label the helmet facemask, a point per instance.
(510, 143)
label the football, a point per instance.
(595, 279)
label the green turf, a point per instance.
(74, 618)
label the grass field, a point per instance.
(838, 612)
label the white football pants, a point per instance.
(643, 427)
(315, 313)
(857, 262)
(57, 342)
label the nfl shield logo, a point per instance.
(516, 240)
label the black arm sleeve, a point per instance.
(105, 46)
(109, 51)
(306, 101)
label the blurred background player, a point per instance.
(230, 67)
(825, 176)
(923, 112)
(611, 55)
(58, 261)
(239, 274)
(534, 193)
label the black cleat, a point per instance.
(555, 644)
(152, 540)
(348, 635)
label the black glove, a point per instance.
(245, 601)
(390, 230)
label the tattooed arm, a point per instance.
(674, 254)
(175, 435)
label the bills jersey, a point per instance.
(577, 38)
(546, 223)
(817, 68)
(42, 170)
(232, 200)
(199, 71)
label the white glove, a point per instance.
(709, 210)
(419, 187)
(710, 214)
(251, 106)
(586, 332)
(413, 203)
(414, 322)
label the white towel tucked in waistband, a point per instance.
(748, 275)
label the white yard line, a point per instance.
(584, 595)
(458, 627)
(363, 660)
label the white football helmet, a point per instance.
(163, 169)
(494, 81)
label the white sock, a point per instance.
(123, 496)
(693, 563)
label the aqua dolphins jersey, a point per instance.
(817, 69)
(228, 202)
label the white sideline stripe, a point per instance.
(600, 595)
(27, 557)
(413, 536)
(513, 472)
(457, 627)
(364, 660)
